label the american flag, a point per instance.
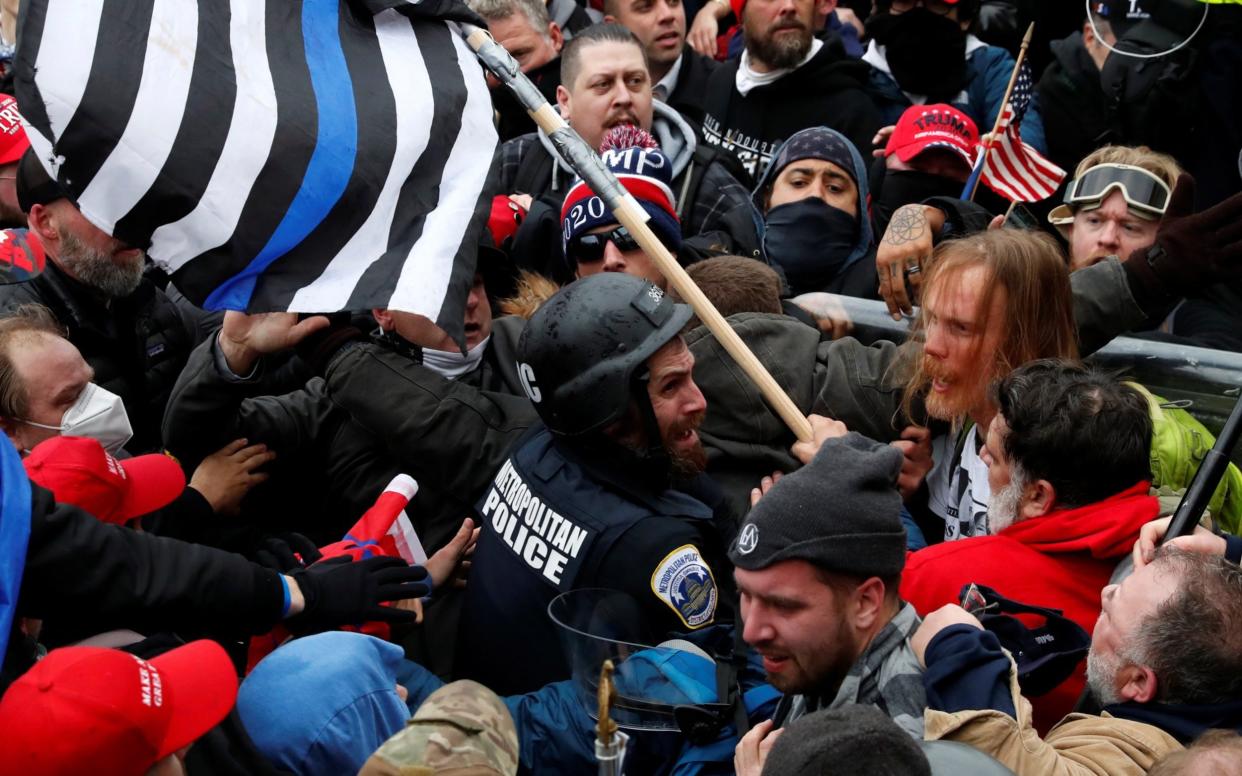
(1012, 168)
(271, 155)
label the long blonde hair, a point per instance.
(1038, 319)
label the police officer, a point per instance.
(606, 492)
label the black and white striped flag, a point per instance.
(300, 155)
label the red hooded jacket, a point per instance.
(1061, 560)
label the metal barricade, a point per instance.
(1208, 379)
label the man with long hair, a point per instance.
(992, 302)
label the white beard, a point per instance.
(1004, 503)
(1102, 677)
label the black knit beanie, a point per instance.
(841, 512)
(848, 741)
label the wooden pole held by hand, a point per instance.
(631, 215)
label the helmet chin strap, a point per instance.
(655, 453)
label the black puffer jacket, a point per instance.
(136, 345)
(329, 466)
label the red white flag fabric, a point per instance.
(1012, 168)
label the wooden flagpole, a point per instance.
(631, 215)
(1013, 79)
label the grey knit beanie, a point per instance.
(842, 512)
(849, 741)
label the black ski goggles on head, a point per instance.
(1143, 191)
(589, 248)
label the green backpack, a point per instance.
(1178, 444)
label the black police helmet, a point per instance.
(580, 351)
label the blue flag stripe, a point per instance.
(331, 162)
(318, 173)
(307, 261)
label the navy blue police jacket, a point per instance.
(555, 519)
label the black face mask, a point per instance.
(810, 241)
(904, 187)
(514, 120)
(925, 51)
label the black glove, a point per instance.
(280, 553)
(318, 349)
(340, 592)
(1192, 250)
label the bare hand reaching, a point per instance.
(916, 451)
(949, 614)
(705, 28)
(880, 141)
(752, 750)
(764, 486)
(244, 338)
(227, 475)
(452, 561)
(829, 313)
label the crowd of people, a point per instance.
(240, 543)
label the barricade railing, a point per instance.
(1208, 379)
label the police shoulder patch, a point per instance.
(685, 582)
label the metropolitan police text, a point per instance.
(539, 535)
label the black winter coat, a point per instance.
(330, 467)
(136, 345)
(829, 90)
(90, 576)
(689, 95)
(1072, 104)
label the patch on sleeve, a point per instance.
(684, 582)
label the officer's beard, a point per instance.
(674, 458)
(685, 462)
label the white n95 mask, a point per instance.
(99, 414)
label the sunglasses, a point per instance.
(589, 248)
(1142, 190)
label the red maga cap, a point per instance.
(923, 127)
(79, 471)
(109, 713)
(13, 141)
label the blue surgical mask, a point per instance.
(98, 414)
(810, 241)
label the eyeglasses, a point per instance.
(589, 248)
(1142, 190)
(938, 7)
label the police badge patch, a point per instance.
(684, 582)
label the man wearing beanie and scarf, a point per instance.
(818, 561)
(816, 228)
